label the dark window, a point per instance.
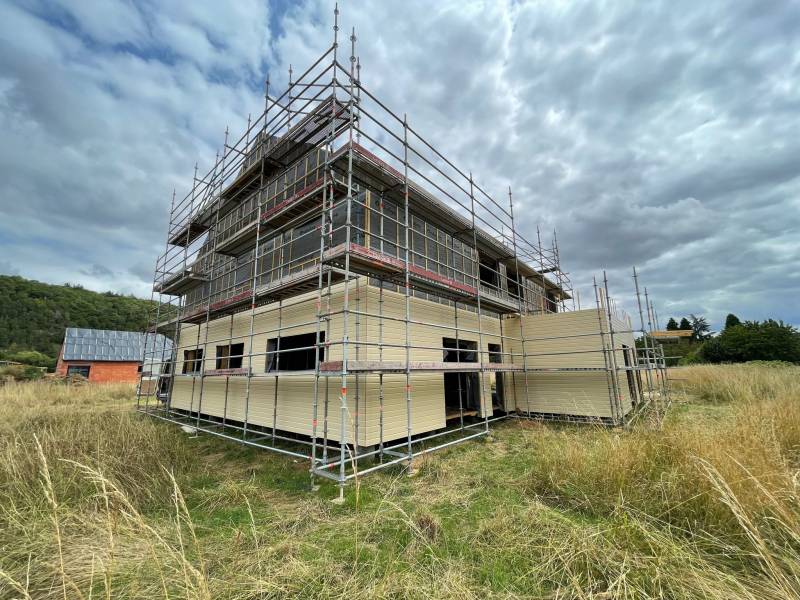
(488, 271)
(513, 283)
(304, 242)
(312, 163)
(467, 351)
(243, 268)
(458, 260)
(192, 359)
(265, 267)
(230, 356)
(417, 241)
(356, 220)
(390, 228)
(82, 370)
(296, 352)
(495, 353)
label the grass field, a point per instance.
(98, 502)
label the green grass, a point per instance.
(97, 501)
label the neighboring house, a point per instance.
(671, 335)
(106, 356)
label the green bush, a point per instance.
(753, 340)
(20, 372)
(30, 357)
(691, 358)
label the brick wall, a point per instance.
(104, 372)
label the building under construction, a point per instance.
(339, 291)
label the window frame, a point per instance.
(229, 356)
(280, 358)
(192, 364)
(78, 370)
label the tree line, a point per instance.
(34, 316)
(739, 341)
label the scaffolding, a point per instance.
(336, 256)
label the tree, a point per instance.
(732, 321)
(33, 316)
(751, 340)
(701, 330)
(672, 325)
(685, 324)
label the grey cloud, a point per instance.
(99, 272)
(662, 134)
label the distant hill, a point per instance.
(33, 315)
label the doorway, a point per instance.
(461, 390)
(496, 378)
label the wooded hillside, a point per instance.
(33, 315)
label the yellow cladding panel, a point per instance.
(377, 331)
(293, 404)
(570, 340)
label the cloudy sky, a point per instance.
(660, 134)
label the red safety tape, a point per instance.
(344, 391)
(314, 423)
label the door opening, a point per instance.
(461, 390)
(496, 379)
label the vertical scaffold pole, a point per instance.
(646, 343)
(156, 320)
(519, 299)
(177, 316)
(458, 360)
(615, 369)
(380, 313)
(317, 345)
(277, 365)
(198, 366)
(260, 150)
(559, 273)
(658, 361)
(606, 362)
(343, 428)
(542, 270)
(482, 372)
(380, 360)
(353, 107)
(214, 231)
(329, 197)
(407, 279)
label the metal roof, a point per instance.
(118, 346)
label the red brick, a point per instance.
(104, 372)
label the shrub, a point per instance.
(29, 357)
(691, 358)
(767, 340)
(20, 373)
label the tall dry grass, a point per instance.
(98, 502)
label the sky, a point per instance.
(664, 135)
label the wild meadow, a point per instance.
(97, 501)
